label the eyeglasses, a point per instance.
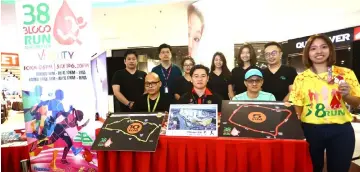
(151, 84)
(252, 81)
(273, 53)
(188, 65)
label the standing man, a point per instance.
(128, 84)
(167, 71)
(200, 94)
(282, 75)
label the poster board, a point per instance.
(130, 132)
(260, 120)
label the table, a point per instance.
(11, 157)
(189, 154)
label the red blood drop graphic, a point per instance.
(66, 29)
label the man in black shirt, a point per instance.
(277, 78)
(154, 100)
(167, 71)
(200, 94)
(128, 84)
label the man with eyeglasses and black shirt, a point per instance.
(128, 84)
(153, 100)
(199, 93)
(167, 71)
(277, 78)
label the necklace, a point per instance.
(156, 103)
(329, 80)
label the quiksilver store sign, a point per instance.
(340, 38)
(334, 39)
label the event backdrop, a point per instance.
(209, 31)
(58, 97)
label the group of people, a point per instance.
(319, 94)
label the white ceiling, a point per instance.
(255, 20)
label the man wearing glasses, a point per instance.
(277, 78)
(253, 82)
(153, 100)
(167, 71)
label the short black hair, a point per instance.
(207, 70)
(128, 52)
(273, 43)
(164, 46)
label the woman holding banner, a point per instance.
(320, 95)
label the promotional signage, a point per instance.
(9, 59)
(56, 81)
(130, 132)
(259, 120)
(193, 120)
(340, 38)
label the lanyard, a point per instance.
(156, 103)
(195, 101)
(329, 79)
(168, 74)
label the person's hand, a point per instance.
(344, 88)
(131, 105)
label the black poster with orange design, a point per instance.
(130, 132)
(259, 120)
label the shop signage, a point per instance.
(334, 39)
(339, 38)
(357, 33)
(9, 59)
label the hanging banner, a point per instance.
(58, 97)
(209, 32)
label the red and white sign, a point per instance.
(9, 59)
(357, 33)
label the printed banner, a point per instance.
(58, 96)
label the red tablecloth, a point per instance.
(189, 154)
(11, 157)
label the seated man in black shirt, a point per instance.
(154, 100)
(200, 94)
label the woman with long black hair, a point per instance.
(220, 77)
(246, 60)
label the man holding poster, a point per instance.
(55, 63)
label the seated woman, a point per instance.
(253, 82)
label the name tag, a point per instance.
(166, 89)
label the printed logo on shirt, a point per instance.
(209, 102)
(321, 112)
(282, 77)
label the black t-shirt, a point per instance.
(279, 82)
(132, 86)
(219, 84)
(173, 71)
(208, 98)
(181, 86)
(163, 105)
(238, 78)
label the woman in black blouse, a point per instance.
(246, 60)
(183, 83)
(220, 77)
